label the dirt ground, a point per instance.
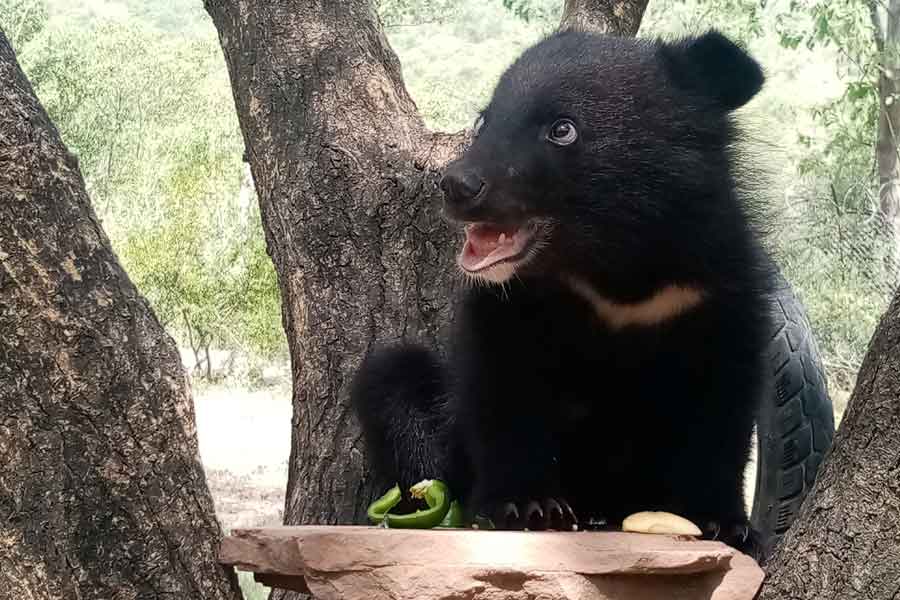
(245, 441)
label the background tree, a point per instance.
(866, 34)
(836, 233)
(886, 24)
(101, 490)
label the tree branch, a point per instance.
(617, 17)
(876, 23)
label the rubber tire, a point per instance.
(795, 426)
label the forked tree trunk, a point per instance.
(346, 175)
(845, 542)
(102, 495)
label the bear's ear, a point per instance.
(712, 65)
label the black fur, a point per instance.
(544, 399)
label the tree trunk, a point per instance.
(887, 38)
(345, 172)
(622, 17)
(346, 176)
(846, 540)
(102, 495)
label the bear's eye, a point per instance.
(563, 132)
(479, 124)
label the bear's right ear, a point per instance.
(715, 67)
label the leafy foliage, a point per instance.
(152, 121)
(408, 13)
(23, 19)
(450, 67)
(848, 259)
(535, 10)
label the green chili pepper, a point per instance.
(379, 509)
(433, 491)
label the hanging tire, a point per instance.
(795, 426)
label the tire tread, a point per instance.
(795, 427)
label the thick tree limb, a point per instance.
(102, 494)
(346, 175)
(846, 541)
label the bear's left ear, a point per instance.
(712, 65)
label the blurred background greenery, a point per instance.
(140, 93)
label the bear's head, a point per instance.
(605, 158)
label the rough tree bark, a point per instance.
(622, 17)
(887, 149)
(102, 494)
(846, 540)
(346, 175)
(345, 172)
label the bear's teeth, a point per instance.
(502, 238)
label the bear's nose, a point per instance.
(461, 187)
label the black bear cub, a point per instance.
(609, 358)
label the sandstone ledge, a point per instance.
(368, 563)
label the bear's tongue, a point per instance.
(489, 244)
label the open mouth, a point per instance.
(488, 245)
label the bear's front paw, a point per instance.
(547, 513)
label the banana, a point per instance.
(659, 523)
